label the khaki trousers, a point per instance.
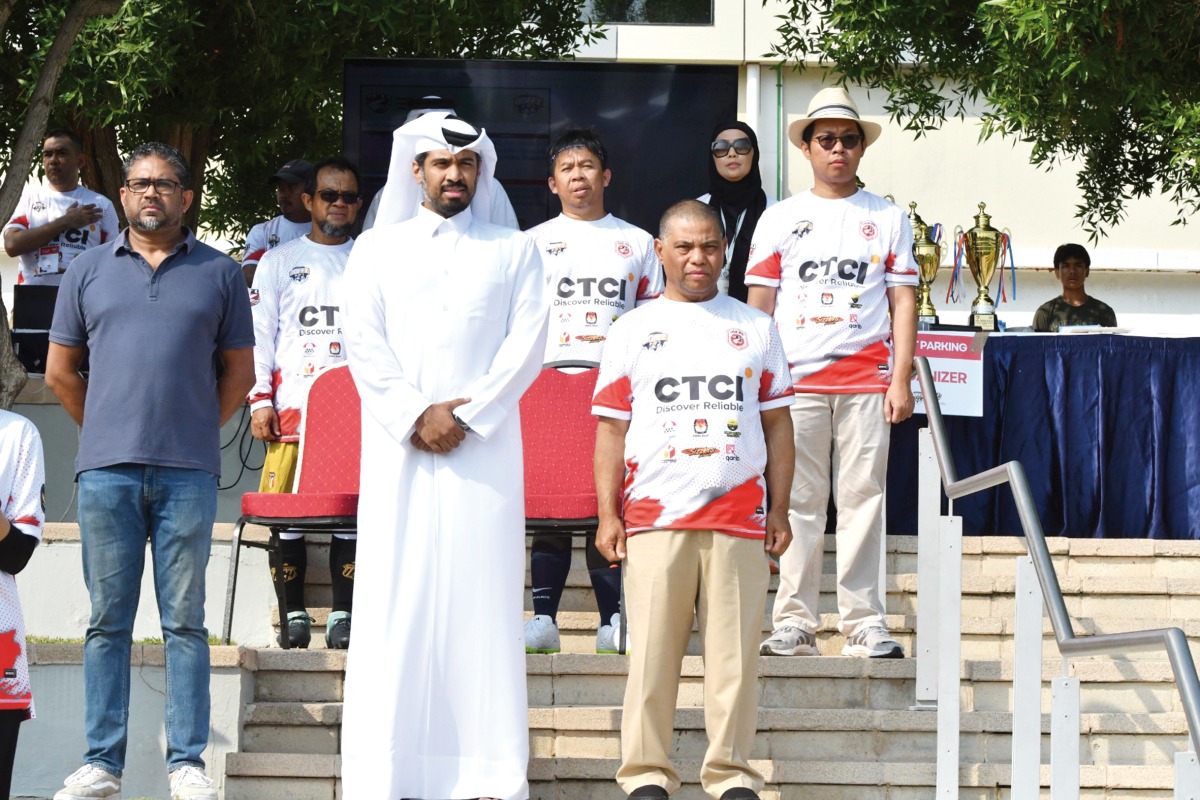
(841, 439)
(671, 576)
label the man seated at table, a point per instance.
(1071, 266)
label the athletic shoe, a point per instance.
(788, 640)
(337, 630)
(190, 783)
(541, 635)
(606, 636)
(299, 629)
(873, 642)
(90, 782)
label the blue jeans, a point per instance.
(120, 508)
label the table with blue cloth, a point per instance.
(1106, 426)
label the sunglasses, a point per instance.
(827, 140)
(720, 148)
(330, 197)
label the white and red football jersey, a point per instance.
(40, 205)
(596, 271)
(832, 262)
(22, 482)
(693, 379)
(296, 300)
(272, 233)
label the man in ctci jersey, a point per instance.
(293, 221)
(56, 222)
(694, 441)
(597, 268)
(296, 300)
(835, 267)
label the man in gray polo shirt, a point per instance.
(158, 311)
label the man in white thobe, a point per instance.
(445, 328)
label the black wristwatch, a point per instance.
(466, 428)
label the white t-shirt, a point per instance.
(272, 233)
(40, 205)
(693, 379)
(296, 300)
(595, 271)
(832, 262)
(22, 483)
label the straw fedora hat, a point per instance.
(832, 102)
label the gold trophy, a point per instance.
(928, 255)
(982, 250)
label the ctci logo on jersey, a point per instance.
(624, 250)
(700, 426)
(605, 287)
(736, 338)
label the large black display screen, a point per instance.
(655, 120)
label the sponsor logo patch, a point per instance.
(299, 274)
(623, 249)
(827, 320)
(869, 230)
(701, 452)
(700, 426)
(556, 248)
(335, 348)
(736, 338)
(803, 228)
(655, 340)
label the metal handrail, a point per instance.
(1172, 639)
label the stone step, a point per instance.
(833, 735)
(270, 776)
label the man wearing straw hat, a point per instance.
(834, 265)
(445, 326)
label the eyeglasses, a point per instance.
(330, 196)
(720, 148)
(161, 186)
(827, 140)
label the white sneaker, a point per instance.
(90, 782)
(608, 637)
(873, 642)
(541, 635)
(788, 640)
(190, 783)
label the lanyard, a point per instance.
(731, 241)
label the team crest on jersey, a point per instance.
(335, 348)
(700, 427)
(39, 206)
(802, 229)
(736, 338)
(556, 248)
(731, 428)
(299, 274)
(590, 318)
(624, 250)
(272, 240)
(869, 230)
(826, 298)
(309, 348)
(254, 298)
(655, 340)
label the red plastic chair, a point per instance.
(325, 499)
(558, 434)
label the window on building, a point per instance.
(651, 12)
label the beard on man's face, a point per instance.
(334, 231)
(448, 206)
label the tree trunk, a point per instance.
(12, 374)
(194, 142)
(103, 170)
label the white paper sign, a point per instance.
(956, 361)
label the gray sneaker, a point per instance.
(90, 782)
(873, 642)
(788, 640)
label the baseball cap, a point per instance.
(294, 171)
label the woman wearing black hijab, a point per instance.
(735, 191)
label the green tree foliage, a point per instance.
(1113, 84)
(241, 85)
